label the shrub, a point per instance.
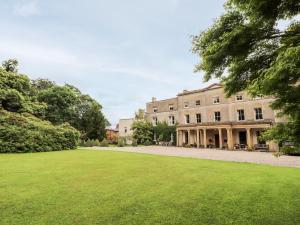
(121, 142)
(104, 143)
(26, 133)
(291, 150)
(134, 143)
(147, 143)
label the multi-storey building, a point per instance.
(207, 118)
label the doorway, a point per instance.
(186, 137)
(243, 137)
(217, 140)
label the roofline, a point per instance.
(200, 90)
(175, 98)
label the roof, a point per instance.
(210, 87)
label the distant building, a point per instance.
(112, 134)
(125, 130)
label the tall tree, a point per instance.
(11, 65)
(248, 49)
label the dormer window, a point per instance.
(154, 109)
(239, 97)
(186, 105)
(198, 102)
(216, 100)
(171, 107)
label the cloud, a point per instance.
(26, 9)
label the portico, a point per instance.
(222, 136)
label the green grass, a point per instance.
(96, 187)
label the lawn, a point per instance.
(97, 187)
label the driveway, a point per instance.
(214, 154)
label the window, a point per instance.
(198, 102)
(125, 130)
(239, 97)
(186, 105)
(258, 114)
(216, 100)
(217, 116)
(241, 115)
(155, 120)
(171, 120)
(154, 109)
(171, 107)
(198, 118)
(187, 119)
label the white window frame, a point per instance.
(125, 130)
(155, 120)
(171, 107)
(197, 117)
(216, 98)
(154, 109)
(172, 120)
(238, 114)
(199, 102)
(187, 119)
(216, 117)
(262, 114)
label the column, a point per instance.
(189, 137)
(177, 138)
(198, 144)
(249, 139)
(220, 138)
(229, 138)
(204, 138)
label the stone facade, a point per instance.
(207, 118)
(125, 129)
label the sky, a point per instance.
(122, 53)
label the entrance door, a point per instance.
(217, 140)
(243, 137)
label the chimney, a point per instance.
(153, 99)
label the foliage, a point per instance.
(10, 65)
(164, 132)
(104, 143)
(246, 49)
(291, 150)
(142, 131)
(26, 133)
(121, 142)
(134, 143)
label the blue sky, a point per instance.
(120, 52)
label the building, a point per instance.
(125, 130)
(112, 134)
(207, 118)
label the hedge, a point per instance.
(26, 133)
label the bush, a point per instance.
(291, 150)
(104, 143)
(121, 142)
(134, 143)
(26, 133)
(147, 143)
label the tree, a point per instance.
(247, 50)
(165, 132)
(10, 65)
(142, 131)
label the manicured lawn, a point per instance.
(96, 187)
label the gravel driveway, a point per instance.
(214, 154)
